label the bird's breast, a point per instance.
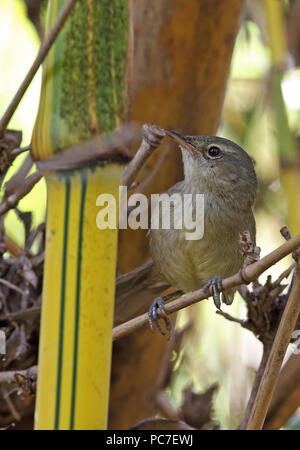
(189, 264)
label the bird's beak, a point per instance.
(182, 140)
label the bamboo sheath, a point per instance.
(83, 94)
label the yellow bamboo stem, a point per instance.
(80, 96)
(77, 313)
(276, 28)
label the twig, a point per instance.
(247, 274)
(23, 314)
(11, 285)
(9, 376)
(231, 318)
(8, 427)
(12, 247)
(44, 48)
(262, 394)
(18, 151)
(11, 406)
(109, 147)
(13, 200)
(152, 136)
(14, 183)
(270, 375)
(265, 304)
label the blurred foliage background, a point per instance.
(263, 91)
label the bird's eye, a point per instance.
(214, 152)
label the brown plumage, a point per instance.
(224, 173)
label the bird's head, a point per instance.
(218, 164)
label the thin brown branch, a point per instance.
(23, 314)
(10, 376)
(265, 304)
(109, 147)
(13, 200)
(248, 273)
(11, 406)
(271, 372)
(286, 273)
(12, 247)
(259, 380)
(18, 151)
(227, 316)
(44, 48)
(152, 136)
(14, 183)
(11, 285)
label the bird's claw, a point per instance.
(154, 318)
(216, 285)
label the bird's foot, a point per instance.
(154, 318)
(216, 285)
(159, 303)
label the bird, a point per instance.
(224, 174)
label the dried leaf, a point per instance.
(197, 408)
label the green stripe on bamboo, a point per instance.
(83, 94)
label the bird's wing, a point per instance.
(136, 290)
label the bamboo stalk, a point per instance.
(286, 143)
(83, 94)
(286, 398)
(255, 386)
